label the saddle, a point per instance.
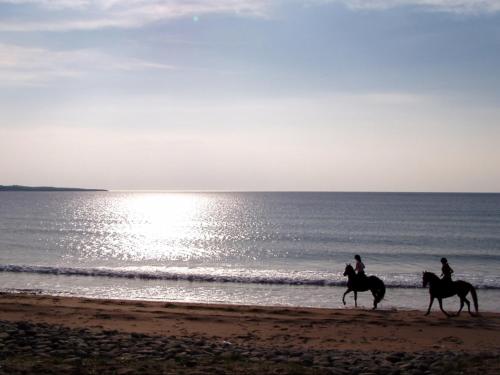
(361, 279)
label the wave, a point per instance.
(187, 274)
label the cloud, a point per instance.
(51, 4)
(29, 65)
(455, 6)
(64, 15)
(98, 14)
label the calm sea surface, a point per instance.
(250, 248)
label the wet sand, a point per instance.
(306, 338)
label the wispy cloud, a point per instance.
(63, 15)
(34, 66)
(97, 14)
(455, 6)
(50, 4)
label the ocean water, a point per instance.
(246, 248)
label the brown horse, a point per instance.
(362, 284)
(443, 289)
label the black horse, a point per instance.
(362, 284)
(443, 289)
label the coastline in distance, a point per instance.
(42, 188)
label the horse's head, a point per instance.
(348, 270)
(427, 277)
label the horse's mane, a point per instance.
(431, 275)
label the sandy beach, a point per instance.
(200, 338)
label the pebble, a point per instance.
(68, 350)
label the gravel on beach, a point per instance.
(28, 348)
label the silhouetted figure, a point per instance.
(439, 288)
(357, 284)
(446, 271)
(360, 267)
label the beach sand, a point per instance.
(77, 335)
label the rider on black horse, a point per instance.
(446, 271)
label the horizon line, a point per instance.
(252, 191)
(299, 191)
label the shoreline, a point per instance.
(235, 294)
(349, 299)
(46, 334)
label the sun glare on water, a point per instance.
(155, 226)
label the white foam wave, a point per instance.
(274, 277)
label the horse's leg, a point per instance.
(343, 297)
(430, 305)
(461, 305)
(468, 306)
(374, 300)
(440, 300)
(355, 299)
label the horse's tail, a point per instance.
(474, 298)
(379, 290)
(381, 293)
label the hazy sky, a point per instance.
(378, 95)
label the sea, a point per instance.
(273, 249)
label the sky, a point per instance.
(328, 95)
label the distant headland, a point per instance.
(42, 188)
